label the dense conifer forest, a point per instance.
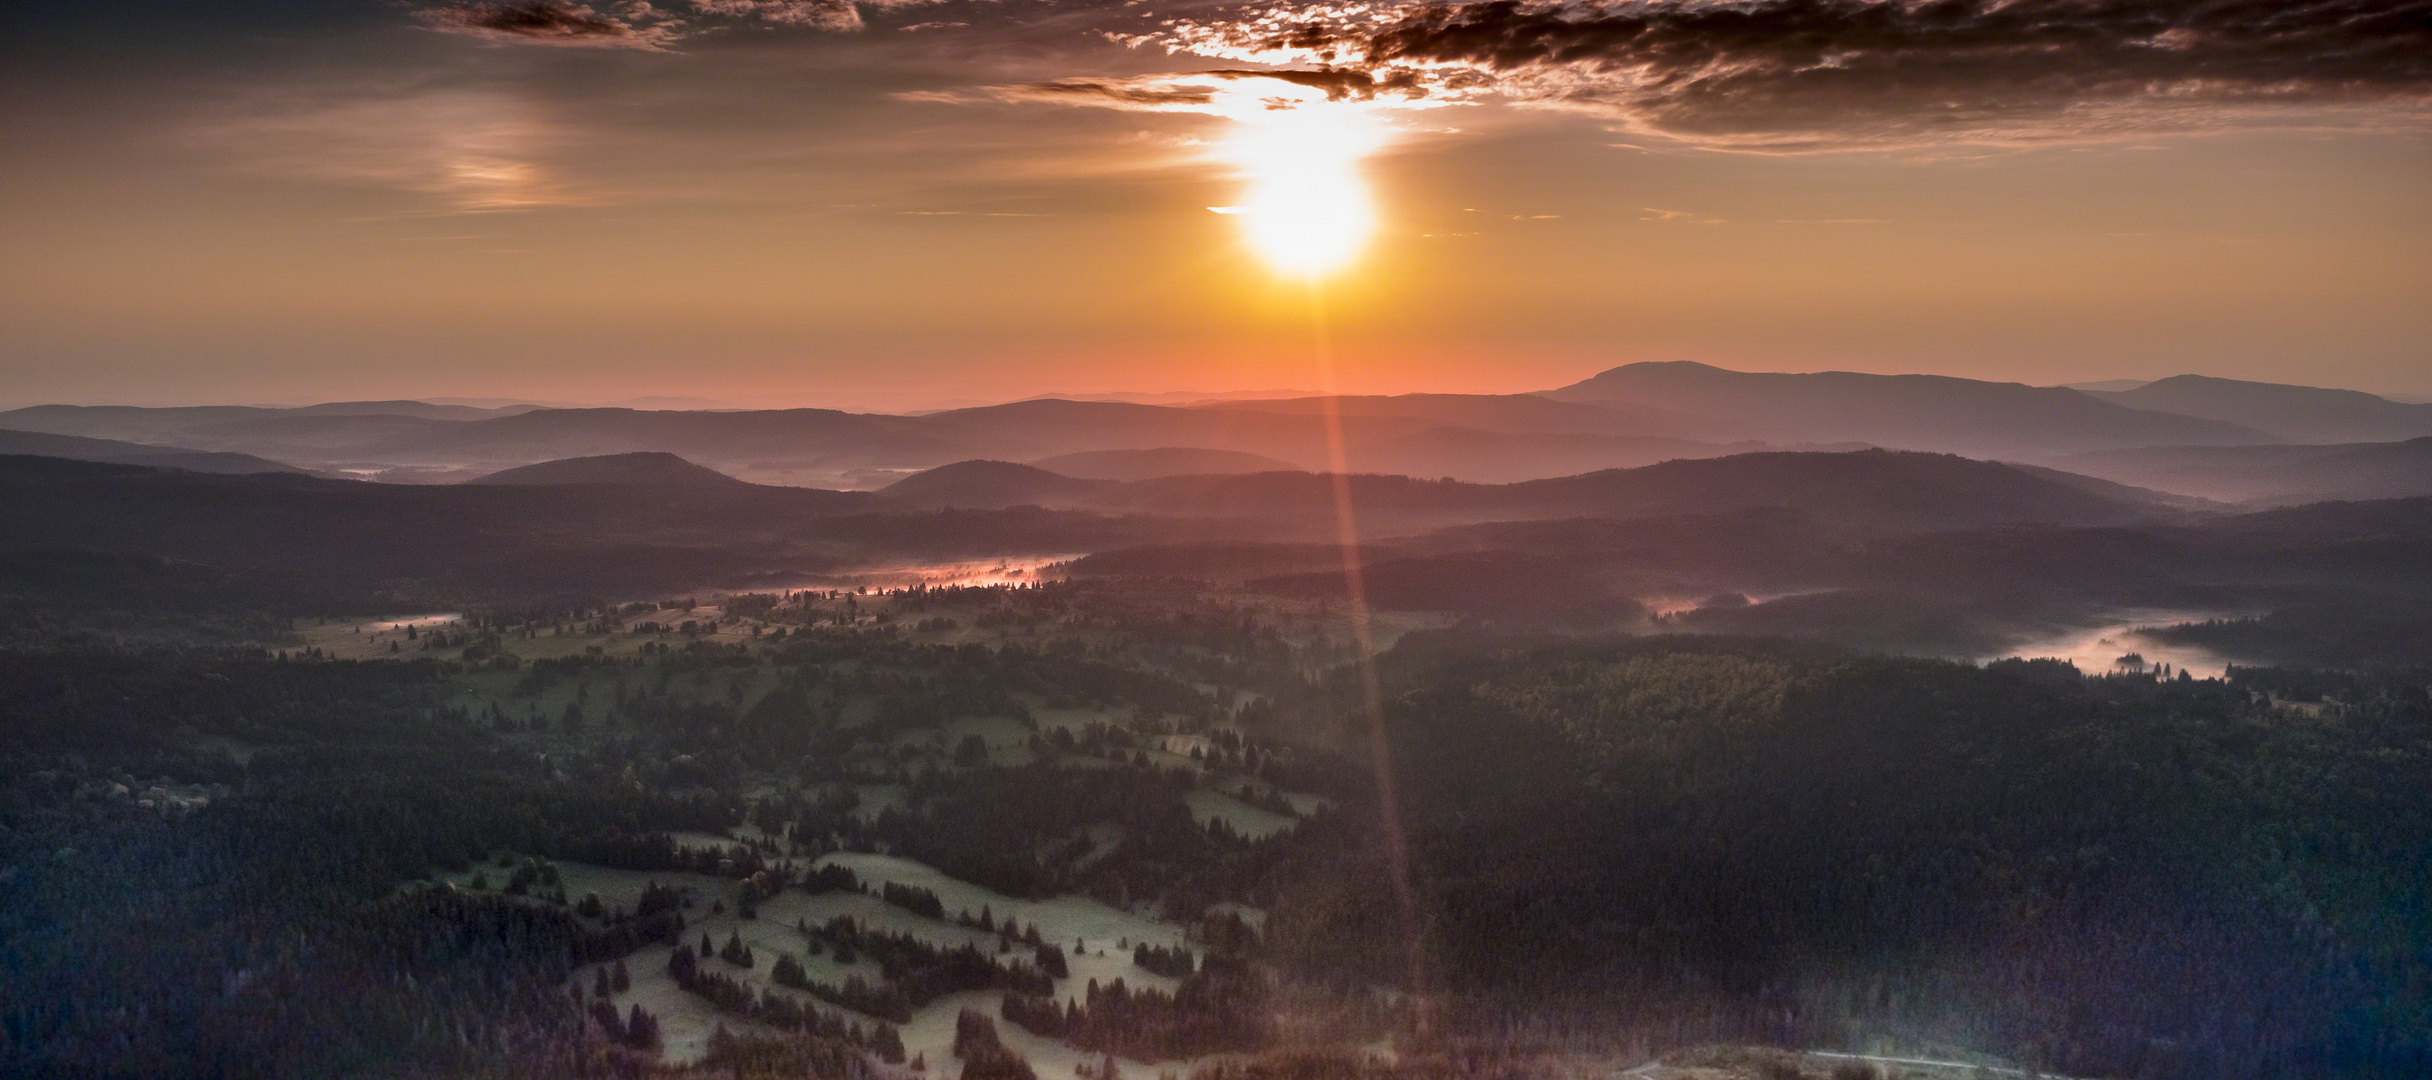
(274, 860)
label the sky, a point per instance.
(897, 202)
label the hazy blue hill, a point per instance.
(1043, 426)
(422, 410)
(824, 447)
(1516, 413)
(301, 432)
(747, 443)
(1919, 412)
(722, 437)
(989, 485)
(1384, 442)
(79, 448)
(336, 432)
(213, 427)
(643, 469)
(2305, 414)
(1628, 417)
(1159, 461)
(1496, 457)
(2273, 474)
(1502, 438)
(129, 422)
(1477, 438)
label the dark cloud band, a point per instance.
(1775, 69)
(537, 21)
(640, 24)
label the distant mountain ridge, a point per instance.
(1515, 413)
(2304, 414)
(1915, 412)
(135, 421)
(1627, 417)
(1482, 437)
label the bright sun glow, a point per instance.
(1305, 209)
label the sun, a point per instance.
(1305, 208)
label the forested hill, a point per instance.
(651, 520)
(505, 540)
(2150, 876)
(1874, 490)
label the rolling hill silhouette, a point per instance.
(989, 485)
(645, 468)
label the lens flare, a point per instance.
(1305, 209)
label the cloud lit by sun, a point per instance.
(1305, 209)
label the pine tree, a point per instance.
(641, 1029)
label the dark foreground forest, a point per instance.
(274, 860)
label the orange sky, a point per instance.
(304, 202)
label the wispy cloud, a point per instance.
(470, 151)
(1679, 217)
